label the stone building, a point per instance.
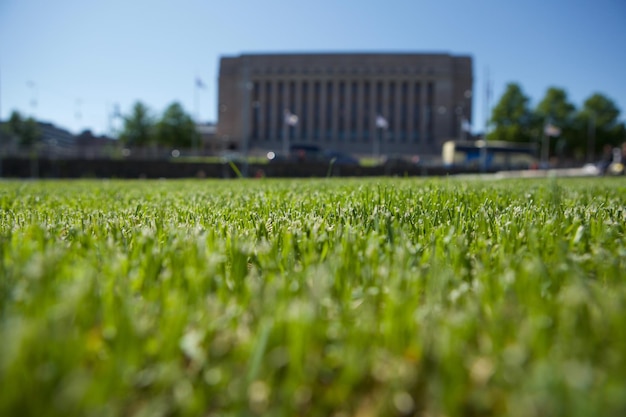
(362, 103)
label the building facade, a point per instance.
(354, 102)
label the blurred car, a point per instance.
(401, 161)
(306, 153)
(340, 158)
(616, 168)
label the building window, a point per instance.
(291, 106)
(304, 111)
(268, 110)
(279, 110)
(430, 114)
(353, 110)
(255, 110)
(391, 119)
(366, 111)
(341, 131)
(404, 108)
(417, 103)
(379, 99)
(317, 91)
(329, 111)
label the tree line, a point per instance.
(175, 128)
(576, 132)
(24, 131)
(583, 131)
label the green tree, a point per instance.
(13, 126)
(555, 109)
(511, 117)
(176, 128)
(25, 131)
(139, 127)
(597, 125)
(30, 132)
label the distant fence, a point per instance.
(13, 167)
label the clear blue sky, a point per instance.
(77, 58)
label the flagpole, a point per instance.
(381, 125)
(375, 141)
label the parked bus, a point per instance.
(490, 155)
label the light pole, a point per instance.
(290, 120)
(381, 125)
(548, 131)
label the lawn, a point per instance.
(329, 297)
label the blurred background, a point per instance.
(85, 66)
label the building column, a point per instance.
(384, 141)
(260, 105)
(360, 112)
(281, 114)
(444, 121)
(297, 109)
(377, 108)
(323, 109)
(309, 108)
(410, 111)
(424, 112)
(373, 111)
(335, 112)
(398, 113)
(272, 106)
(347, 114)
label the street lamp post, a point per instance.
(290, 120)
(548, 131)
(379, 141)
(381, 125)
(199, 85)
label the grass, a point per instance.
(327, 297)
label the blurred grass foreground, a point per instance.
(363, 297)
